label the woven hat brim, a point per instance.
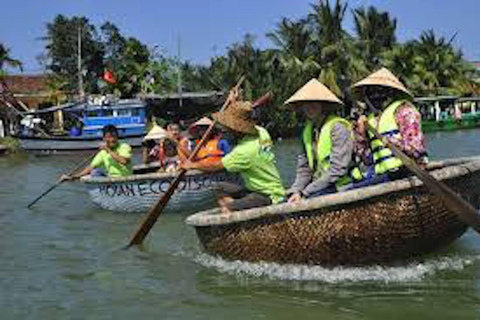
(357, 89)
(314, 90)
(236, 124)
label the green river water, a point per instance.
(64, 260)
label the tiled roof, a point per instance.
(26, 84)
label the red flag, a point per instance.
(109, 77)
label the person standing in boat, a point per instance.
(252, 157)
(326, 164)
(215, 148)
(392, 113)
(113, 159)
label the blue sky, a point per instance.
(207, 27)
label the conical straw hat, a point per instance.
(205, 121)
(383, 78)
(237, 117)
(156, 133)
(314, 90)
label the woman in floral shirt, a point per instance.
(393, 114)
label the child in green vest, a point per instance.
(327, 164)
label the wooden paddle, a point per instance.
(81, 165)
(157, 209)
(465, 211)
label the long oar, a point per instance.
(465, 211)
(157, 209)
(81, 165)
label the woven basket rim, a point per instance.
(447, 169)
(145, 176)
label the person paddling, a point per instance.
(252, 157)
(393, 114)
(326, 164)
(113, 160)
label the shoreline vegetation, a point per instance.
(314, 46)
(12, 145)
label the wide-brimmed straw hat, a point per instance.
(237, 117)
(205, 121)
(156, 133)
(314, 90)
(381, 78)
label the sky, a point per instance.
(207, 27)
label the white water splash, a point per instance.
(410, 272)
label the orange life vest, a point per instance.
(210, 152)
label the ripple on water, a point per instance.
(415, 271)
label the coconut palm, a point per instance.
(292, 38)
(375, 31)
(7, 61)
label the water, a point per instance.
(64, 260)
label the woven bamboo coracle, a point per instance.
(374, 225)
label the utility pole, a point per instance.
(81, 91)
(179, 80)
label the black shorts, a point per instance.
(242, 198)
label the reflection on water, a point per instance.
(64, 260)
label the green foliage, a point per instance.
(7, 61)
(12, 144)
(375, 32)
(137, 69)
(319, 46)
(315, 46)
(61, 51)
(431, 66)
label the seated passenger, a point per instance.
(215, 148)
(183, 143)
(151, 144)
(252, 157)
(326, 164)
(113, 160)
(393, 114)
(168, 155)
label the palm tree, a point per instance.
(292, 38)
(7, 61)
(375, 32)
(334, 48)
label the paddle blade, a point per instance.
(154, 213)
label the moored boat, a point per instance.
(139, 192)
(378, 224)
(129, 117)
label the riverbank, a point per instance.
(9, 145)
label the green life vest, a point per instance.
(321, 162)
(387, 126)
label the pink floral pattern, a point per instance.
(410, 126)
(412, 141)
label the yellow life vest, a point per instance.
(321, 162)
(387, 126)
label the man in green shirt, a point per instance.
(112, 160)
(252, 157)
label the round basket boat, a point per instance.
(378, 224)
(139, 192)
